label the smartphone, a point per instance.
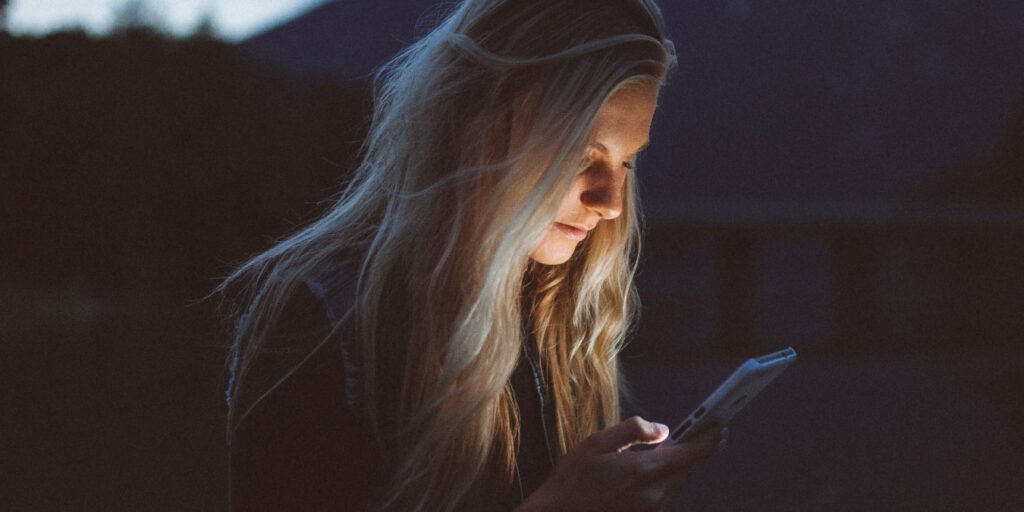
(721, 406)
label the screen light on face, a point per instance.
(620, 131)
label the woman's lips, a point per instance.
(571, 232)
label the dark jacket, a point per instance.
(303, 445)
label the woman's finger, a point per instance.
(685, 455)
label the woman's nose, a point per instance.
(603, 193)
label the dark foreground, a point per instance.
(117, 413)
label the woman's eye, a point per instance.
(628, 165)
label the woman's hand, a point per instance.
(601, 474)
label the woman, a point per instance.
(445, 336)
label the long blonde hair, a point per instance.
(477, 132)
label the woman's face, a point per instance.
(620, 131)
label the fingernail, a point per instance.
(661, 429)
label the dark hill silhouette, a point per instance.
(138, 160)
(343, 39)
(809, 101)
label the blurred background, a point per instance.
(843, 177)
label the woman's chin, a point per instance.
(553, 253)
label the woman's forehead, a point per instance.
(623, 123)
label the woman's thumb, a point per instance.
(635, 430)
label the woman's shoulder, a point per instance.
(295, 446)
(307, 355)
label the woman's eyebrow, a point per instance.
(604, 149)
